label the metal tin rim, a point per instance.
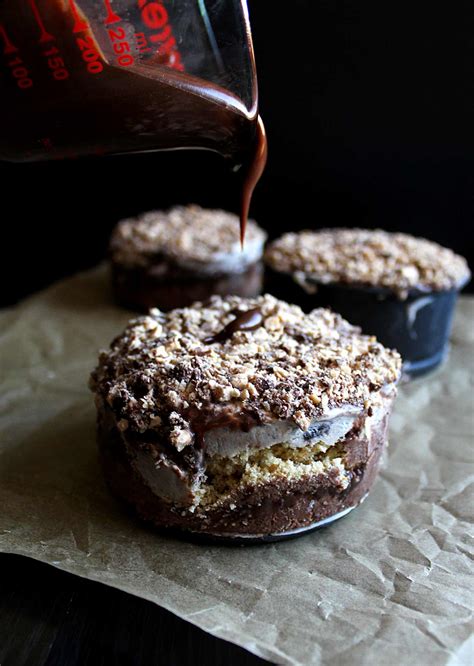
(374, 289)
(249, 539)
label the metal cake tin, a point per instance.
(418, 326)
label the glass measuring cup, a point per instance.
(84, 77)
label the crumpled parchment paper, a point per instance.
(388, 584)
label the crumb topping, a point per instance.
(183, 233)
(368, 257)
(162, 374)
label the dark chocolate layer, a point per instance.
(165, 287)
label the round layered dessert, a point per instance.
(169, 259)
(243, 418)
(395, 286)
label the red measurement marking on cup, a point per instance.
(118, 38)
(45, 36)
(142, 43)
(55, 63)
(159, 33)
(51, 52)
(86, 43)
(8, 46)
(80, 25)
(15, 62)
(111, 15)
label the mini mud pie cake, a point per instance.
(171, 259)
(243, 418)
(395, 286)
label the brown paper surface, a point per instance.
(388, 584)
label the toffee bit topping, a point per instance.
(188, 233)
(161, 375)
(244, 321)
(368, 257)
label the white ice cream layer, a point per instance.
(228, 443)
(235, 261)
(170, 483)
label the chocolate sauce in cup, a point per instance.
(83, 77)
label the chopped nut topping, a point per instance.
(306, 366)
(183, 233)
(368, 257)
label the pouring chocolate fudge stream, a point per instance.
(84, 78)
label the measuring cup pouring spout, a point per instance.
(84, 77)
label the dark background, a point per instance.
(369, 114)
(52, 618)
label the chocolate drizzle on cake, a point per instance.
(248, 320)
